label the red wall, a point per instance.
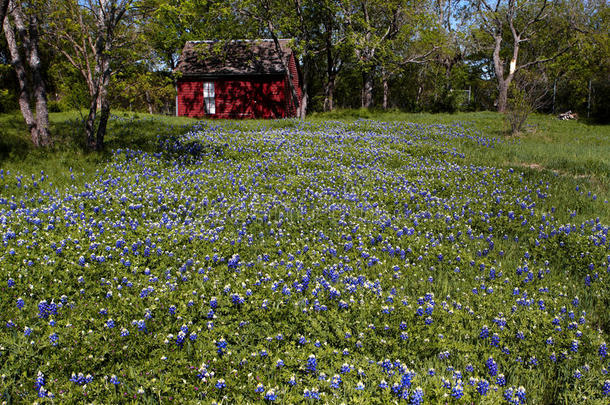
(256, 97)
(190, 98)
(252, 97)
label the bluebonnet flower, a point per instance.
(457, 391)
(259, 388)
(221, 345)
(492, 366)
(603, 350)
(40, 380)
(501, 380)
(270, 395)
(312, 363)
(81, 379)
(203, 373)
(20, 303)
(220, 384)
(484, 332)
(335, 381)
(521, 394)
(483, 387)
(53, 338)
(417, 396)
(313, 393)
(113, 380)
(606, 388)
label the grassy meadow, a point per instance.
(354, 257)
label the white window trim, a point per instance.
(209, 98)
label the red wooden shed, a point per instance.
(237, 79)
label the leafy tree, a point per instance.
(93, 36)
(383, 34)
(281, 19)
(166, 25)
(330, 41)
(512, 24)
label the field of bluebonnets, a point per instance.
(329, 262)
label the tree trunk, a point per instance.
(29, 39)
(40, 91)
(329, 92)
(24, 95)
(278, 48)
(367, 89)
(95, 138)
(101, 129)
(149, 102)
(502, 95)
(304, 90)
(386, 88)
(504, 82)
(90, 123)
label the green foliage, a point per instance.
(7, 101)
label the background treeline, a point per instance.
(413, 55)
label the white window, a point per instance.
(208, 97)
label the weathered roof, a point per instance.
(237, 57)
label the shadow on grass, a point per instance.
(68, 132)
(13, 142)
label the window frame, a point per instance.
(209, 97)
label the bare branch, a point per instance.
(420, 59)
